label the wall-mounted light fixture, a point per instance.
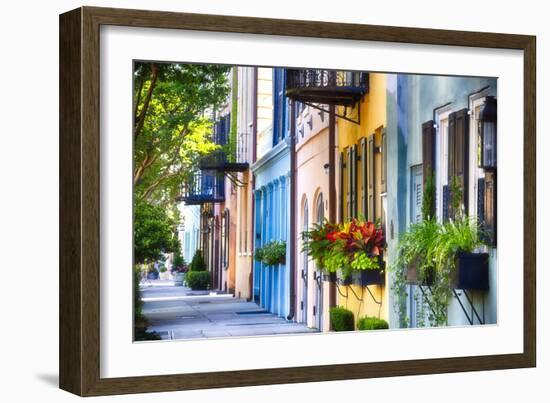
(487, 134)
(326, 167)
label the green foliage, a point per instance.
(271, 253)
(170, 131)
(197, 263)
(316, 244)
(432, 248)
(140, 321)
(341, 319)
(198, 280)
(371, 323)
(153, 232)
(178, 263)
(456, 198)
(353, 245)
(163, 269)
(363, 261)
(259, 254)
(428, 199)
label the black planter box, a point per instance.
(345, 280)
(471, 271)
(369, 277)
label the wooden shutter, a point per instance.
(353, 181)
(370, 178)
(446, 201)
(490, 205)
(341, 193)
(428, 150)
(458, 152)
(384, 176)
(364, 197)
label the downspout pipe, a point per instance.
(292, 241)
(332, 184)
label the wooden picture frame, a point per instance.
(80, 199)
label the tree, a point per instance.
(171, 131)
(153, 232)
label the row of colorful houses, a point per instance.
(304, 146)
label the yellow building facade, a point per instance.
(361, 185)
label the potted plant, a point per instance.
(356, 252)
(348, 250)
(179, 268)
(458, 248)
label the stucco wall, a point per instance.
(411, 100)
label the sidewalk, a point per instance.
(179, 313)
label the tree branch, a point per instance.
(141, 118)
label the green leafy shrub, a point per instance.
(271, 253)
(341, 319)
(259, 254)
(140, 321)
(371, 323)
(163, 269)
(153, 232)
(197, 263)
(198, 280)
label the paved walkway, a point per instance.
(179, 313)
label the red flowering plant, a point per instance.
(354, 245)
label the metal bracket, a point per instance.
(357, 122)
(471, 303)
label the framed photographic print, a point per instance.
(249, 201)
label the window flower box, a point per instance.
(471, 271)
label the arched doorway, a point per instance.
(318, 276)
(304, 272)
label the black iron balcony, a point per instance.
(231, 156)
(204, 187)
(334, 87)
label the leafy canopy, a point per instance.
(153, 232)
(171, 130)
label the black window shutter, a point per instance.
(353, 177)
(490, 206)
(384, 175)
(364, 198)
(446, 202)
(428, 150)
(461, 153)
(341, 192)
(348, 182)
(370, 178)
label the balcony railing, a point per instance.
(334, 87)
(233, 152)
(204, 187)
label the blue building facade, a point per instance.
(271, 284)
(416, 103)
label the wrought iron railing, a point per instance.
(326, 86)
(204, 187)
(232, 154)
